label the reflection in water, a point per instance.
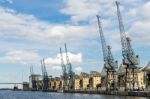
(48, 95)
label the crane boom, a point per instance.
(69, 67)
(42, 67)
(31, 70)
(129, 57)
(45, 71)
(67, 57)
(67, 60)
(109, 64)
(33, 80)
(122, 31)
(63, 70)
(103, 42)
(45, 75)
(128, 54)
(108, 57)
(62, 61)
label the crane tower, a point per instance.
(69, 68)
(45, 75)
(129, 58)
(109, 63)
(33, 80)
(64, 71)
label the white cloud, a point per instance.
(20, 56)
(74, 58)
(131, 1)
(56, 60)
(84, 10)
(140, 28)
(28, 28)
(54, 63)
(55, 68)
(9, 1)
(132, 11)
(78, 69)
(143, 11)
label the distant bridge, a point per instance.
(9, 83)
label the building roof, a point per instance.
(147, 68)
(83, 74)
(76, 76)
(25, 82)
(122, 70)
(50, 76)
(94, 73)
(36, 75)
(57, 78)
(103, 72)
(52, 79)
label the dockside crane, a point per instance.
(109, 63)
(33, 80)
(64, 70)
(69, 68)
(45, 75)
(31, 70)
(129, 58)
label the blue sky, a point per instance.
(34, 29)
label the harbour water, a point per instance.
(47, 95)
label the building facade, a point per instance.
(57, 83)
(84, 80)
(76, 82)
(33, 79)
(25, 86)
(131, 81)
(95, 80)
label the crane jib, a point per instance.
(107, 55)
(128, 54)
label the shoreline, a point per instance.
(116, 93)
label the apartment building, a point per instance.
(95, 80)
(84, 80)
(76, 82)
